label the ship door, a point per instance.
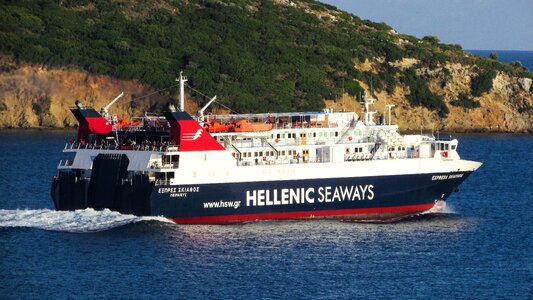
(303, 138)
(305, 155)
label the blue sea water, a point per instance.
(480, 247)
(508, 56)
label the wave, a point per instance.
(79, 221)
(441, 207)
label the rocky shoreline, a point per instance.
(40, 97)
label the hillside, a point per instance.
(255, 56)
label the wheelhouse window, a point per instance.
(172, 160)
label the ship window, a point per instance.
(283, 152)
(261, 153)
(453, 147)
(446, 146)
(278, 136)
(336, 133)
(255, 154)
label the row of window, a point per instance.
(400, 148)
(303, 135)
(355, 150)
(442, 146)
(268, 153)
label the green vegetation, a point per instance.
(482, 83)
(255, 55)
(420, 95)
(464, 101)
(431, 39)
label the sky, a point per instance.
(474, 24)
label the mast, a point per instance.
(390, 106)
(369, 115)
(182, 79)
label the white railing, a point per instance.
(122, 147)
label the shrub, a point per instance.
(420, 95)
(464, 101)
(482, 83)
(431, 39)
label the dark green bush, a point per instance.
(420, 95)
(482, 83)
(464, 101)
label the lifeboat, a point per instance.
(217, 126)
(247, 126)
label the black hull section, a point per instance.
(109, 187)
(69, 191)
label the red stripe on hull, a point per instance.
(382, 214)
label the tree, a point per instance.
(431, 39)
(493, 55)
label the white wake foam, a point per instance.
(441, 207)
(87, 220)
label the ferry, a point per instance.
(215, 169)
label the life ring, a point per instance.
(444, 154)
(349, 138)
(277, 140)
(264, 158)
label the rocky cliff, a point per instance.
(40, 96)
(507, 107)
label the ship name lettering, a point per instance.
(179, 190)
(324, 194)
(174, 195)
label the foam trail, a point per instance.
(441, 207)
(87, 220)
